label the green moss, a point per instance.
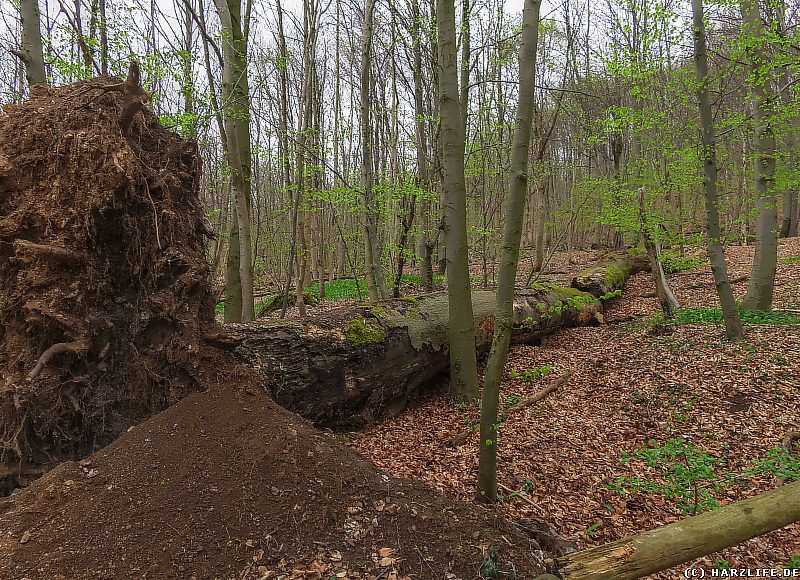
(364, 331)
(616, 273)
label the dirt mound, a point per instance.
(103, 281)
(226, 484)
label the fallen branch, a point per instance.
(461, 438)
(685, 540)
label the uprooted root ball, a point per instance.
(104, 288)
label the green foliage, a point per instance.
(714, 316)
(790, 260)
(778, 462)
(688, 474)
(793, 563)
(531, 375)
(490, 567)
(591, 529)
(611, 295)
(348, 288)
(673, 262)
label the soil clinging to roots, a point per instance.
(104, 288)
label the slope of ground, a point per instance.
(225, 484)
(633, 382)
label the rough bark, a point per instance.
(611, 272)
(716, 252)
(355, 365)
(464, 371)
(662, 548)
(509, 257)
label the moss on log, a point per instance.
(611, 272)
(355, 365)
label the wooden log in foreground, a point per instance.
(355, 365)
(683, 541)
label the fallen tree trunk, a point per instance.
(355, 365)
(683, 541)
(611, 272)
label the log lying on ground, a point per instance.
(683, 541)
(355, 365)
(611, 272)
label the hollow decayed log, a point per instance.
(354, 365)
(683, 541)
(611, 272)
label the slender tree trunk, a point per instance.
(424, 243)
(31, 53)
(762, 278)
(463, 370)
(509, 259)
(376, 282)
(236, 113)
(716, 252)
(666, 298)
(465, 65)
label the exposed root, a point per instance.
(77, 347)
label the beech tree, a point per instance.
(509, 258)
(30, 52)
(463, 369)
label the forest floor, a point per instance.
(680, 389)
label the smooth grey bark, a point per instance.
(465, 65)
(765, 262)
(31, 53)
(716, 252)
(509, 256)
(236, 115)
(376, 282)
(464, 367)
(424, 242)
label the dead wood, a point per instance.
(354, 365)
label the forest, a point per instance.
(399, 289)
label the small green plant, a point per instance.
(346, 438)
(790, 260)
(490, 567)
(779, 462)
(611, 295)
(793, 563)
(530, 375)
(722, 564)
(511, 400)
(674, 262)
(591, 529)
(688, 474)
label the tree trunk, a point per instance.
(765, 262)
(464, 370)
(354, 365)
(236, 112)
(611, 272)
(716, 252)
(376, 281)
(666, 298)
(509, 258)
(31, 53)
(662, 548)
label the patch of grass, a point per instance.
(714, 316)
(790, 260)
(364, 331)
(348, 288)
